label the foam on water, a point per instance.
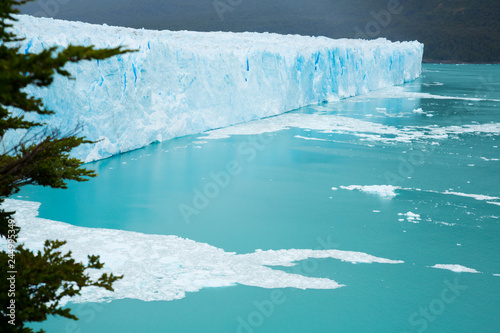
(158, 267)
(456, 268)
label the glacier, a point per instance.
(182, 83)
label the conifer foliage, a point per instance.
(40, 157)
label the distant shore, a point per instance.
(450, 62)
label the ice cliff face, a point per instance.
(181, 83)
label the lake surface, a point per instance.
(287, 183)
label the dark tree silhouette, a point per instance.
(41, 157)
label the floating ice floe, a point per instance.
(411, 217)
(456, 268)
(384, 191)
(474, 196)
(447, 224)
(158, 267)
(308, 138)
(362, 129)
(402, 92)
(389, 191)
(422, 112)
(479, 197)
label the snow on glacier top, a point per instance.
(70, 32)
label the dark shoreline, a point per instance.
(450, 62)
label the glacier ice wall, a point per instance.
(181, 83)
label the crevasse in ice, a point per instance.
(181, 83)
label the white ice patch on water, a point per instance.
(308, 138)
(490, 159)
(456, 268)
(480, 197)
(364, 130)
(400, 92)
(389, 191)
(158, 267)
(422, 112)
(411, 217)
(446, 223)
(496, 274)
(384, 191)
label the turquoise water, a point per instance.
(282, 198)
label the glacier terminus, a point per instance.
(182, 83)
